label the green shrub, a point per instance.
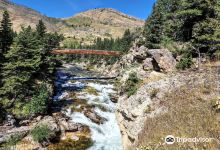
(217, 54)
(38, 103)
(185, 62)
(131, 85)
(175, 47)
(41, 133)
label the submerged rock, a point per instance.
(114, 98)
(94, 117)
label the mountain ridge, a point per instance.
(105, 8)
(87, 25)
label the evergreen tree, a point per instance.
(153, 28)
(126, 40)
(6, 33)
(192, 21)
(41, 29)
(206, 32)
(6, 39)
(48, 60)
(23, 60)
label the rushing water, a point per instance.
(106, 136)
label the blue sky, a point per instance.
(66, 8)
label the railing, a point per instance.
(86, 52)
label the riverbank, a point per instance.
(82, 116)
(152, 91)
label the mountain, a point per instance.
(86, 25)
(104, 22)
(23, 16)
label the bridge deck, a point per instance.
(86, 52)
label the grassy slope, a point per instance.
(190, 114)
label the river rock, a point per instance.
(24, 122)
(7, 132)
(114, 98)
(51, 122)
(69, 126)
(94, 117)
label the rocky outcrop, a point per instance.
(146, 103)
(58, 124)
(151, 59)
(132, 111)
(7, 132)
(51, 123)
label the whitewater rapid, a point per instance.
(105, 136)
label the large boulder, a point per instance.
(67, 125)
(163, 58)
(51, 123)
(6, 132)
(140, 54)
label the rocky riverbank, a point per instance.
(84, 111)
(81, 116)
(159, 78)
(156, 69)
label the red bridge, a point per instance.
(87, 52)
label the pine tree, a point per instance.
(153, 29)
(6, 39)
(41, 29)
(51, 41)
(23, 60)
(6, 33)
(126, 40)
(187, 21)
(206, 32)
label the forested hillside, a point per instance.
(185, 27)
(26, 69)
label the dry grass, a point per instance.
(153, 78)
(212, 64)
(190, 114)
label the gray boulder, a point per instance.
(140, 54)
(164, 59)
(51, 123)
(7, 132)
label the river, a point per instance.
(93, 105)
